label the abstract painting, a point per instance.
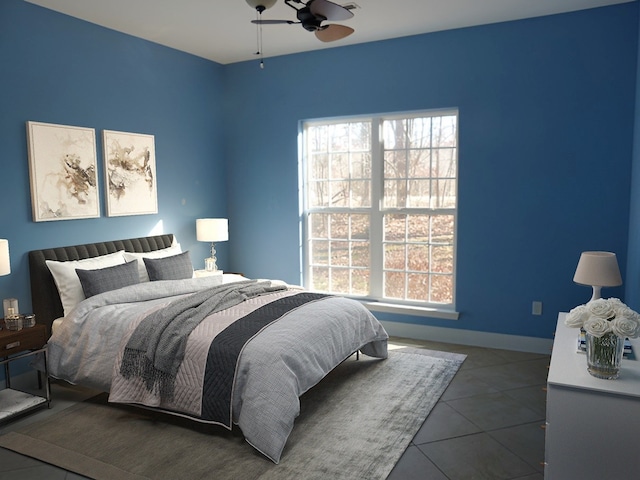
(130, 173)
(62, 171)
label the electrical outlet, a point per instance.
(536, 308)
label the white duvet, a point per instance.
(276, 366)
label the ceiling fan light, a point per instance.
(333, 32)
(261, 5)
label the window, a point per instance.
(379, 207)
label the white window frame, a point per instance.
(375, 300)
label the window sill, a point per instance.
(411, 310)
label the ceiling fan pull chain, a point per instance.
(259, 38)
(260, 46)
(257, 35)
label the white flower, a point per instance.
(602, 308)
(625, 327)
(602, 316)
(616, 302)
(621, 310)
(597, 326)
(576, 317)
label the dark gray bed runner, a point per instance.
(226, 347)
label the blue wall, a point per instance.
(61, 70)
(546, 127)
(633, 265)
(546, 133)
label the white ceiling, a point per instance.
(221, 30)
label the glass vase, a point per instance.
(604, 355)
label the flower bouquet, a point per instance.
(606, 322)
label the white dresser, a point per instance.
(593, 425)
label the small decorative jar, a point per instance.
(13, 321)
(28, 320)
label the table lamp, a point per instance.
(212, 230)
(598, 269)
(5, 269)
(5, 265)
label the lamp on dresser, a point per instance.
(597, 270)
(5, 265)
(212, 230)
(5, 269)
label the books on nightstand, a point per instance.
(627, 352)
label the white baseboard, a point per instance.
(469, 337)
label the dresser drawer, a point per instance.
(20, 340)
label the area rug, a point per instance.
(355, 424)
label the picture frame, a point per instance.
(62, 172)
(130, 173)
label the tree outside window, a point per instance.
(380, 204)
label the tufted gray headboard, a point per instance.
(44, 294)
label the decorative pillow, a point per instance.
(109, 278)
(165, 252)
(176, 267)
(67, 281)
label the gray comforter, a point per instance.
(276, 366)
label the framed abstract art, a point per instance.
(62, 172)
(130, 173)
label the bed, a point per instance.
(221, 349)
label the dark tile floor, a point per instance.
(487, 425)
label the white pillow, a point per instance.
(165, 252)
(67, 281)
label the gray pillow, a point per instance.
(176, 267)
(109, 278)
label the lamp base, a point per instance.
(596, 293)
(210, 264)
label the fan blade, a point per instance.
(333, 32)
(272, 22)
(329, 10)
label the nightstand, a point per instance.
(207, 273)
(15, 345)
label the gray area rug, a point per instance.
(355, 424)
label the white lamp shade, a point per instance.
(5, 264)
(598, 269)
(212, 229)
(261, 3)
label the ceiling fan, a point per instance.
(311, 15)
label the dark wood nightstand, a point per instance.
(14, 345)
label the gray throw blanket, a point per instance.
(156, 348)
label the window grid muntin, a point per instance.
(336, 183)
(406, 243)
(333, 240)
(377, 272)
